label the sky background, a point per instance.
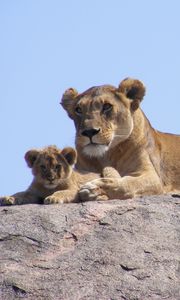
(48, 46)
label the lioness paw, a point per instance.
(91, 192)
(7, 200)
(110, 172)
(53, 200)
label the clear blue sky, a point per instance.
(50, 45)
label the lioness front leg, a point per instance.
(120, 188)
(60, 197)
(93, 190)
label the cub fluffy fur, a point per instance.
(54, 180)
(111, 128)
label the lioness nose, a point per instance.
(90, 132)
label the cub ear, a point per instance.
(70, 155)
(31, 156)
(68, 101)
(133, 89)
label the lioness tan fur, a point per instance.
(54, 181)
(112, 130)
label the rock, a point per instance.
(110, 250)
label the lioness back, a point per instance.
(170, 160)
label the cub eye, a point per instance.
(43, 167)
(58, 167)
(107, 107)
(78, 110)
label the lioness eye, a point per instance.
(78, 110)
(107, 107)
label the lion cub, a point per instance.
(55, 180)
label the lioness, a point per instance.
(54, 181)
(112, 130)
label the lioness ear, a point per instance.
(133, 89)
(70, 155)
(31, 156)
(68, 102)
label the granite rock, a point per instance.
(111, 250)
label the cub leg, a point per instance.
(19, 198)
(65, 196)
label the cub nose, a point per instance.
(50, 177)
(90, 132)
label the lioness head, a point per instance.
(103, 114)
(51, 165)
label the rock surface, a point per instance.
(110, 250)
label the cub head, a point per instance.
(103, 115)
(50, 166)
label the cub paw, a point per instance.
(53, 200)
(7, 200)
